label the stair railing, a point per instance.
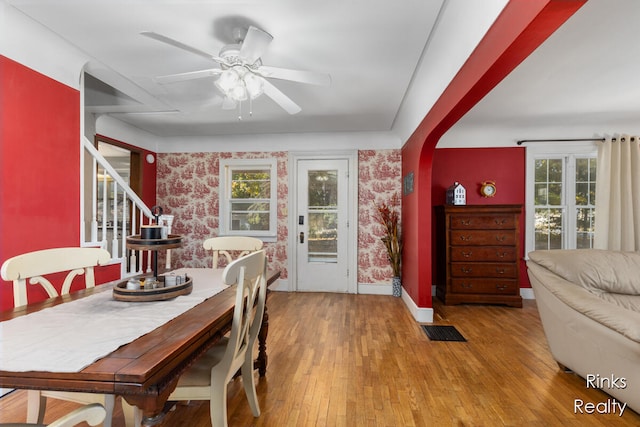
(116, 212)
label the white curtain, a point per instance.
(617, 223)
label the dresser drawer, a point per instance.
(483, 253)
(482, 237)
(482, 222)
(485, 269)
(484, 286)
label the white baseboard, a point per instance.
(375, 289)
(527, 293)
(421, 314)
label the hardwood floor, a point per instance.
(361, 360)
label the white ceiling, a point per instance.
(583, 79)
(583, 82)
(370, 49)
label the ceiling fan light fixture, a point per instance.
(238, 93)
(239, 84)
(254, 85)
(228, 79)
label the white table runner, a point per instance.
(70, 336)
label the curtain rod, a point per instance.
(522, 141)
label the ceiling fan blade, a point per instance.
(280, 98)
(255, 44)
(191, 75)
(309, 77)
(180, 45)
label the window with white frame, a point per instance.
(248, 197)
(561, 185)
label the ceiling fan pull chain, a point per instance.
(239, 111)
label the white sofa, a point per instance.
(589, 303)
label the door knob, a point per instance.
(302, 237)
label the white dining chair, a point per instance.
(208, 378)
(231, 247)
(93, 414)
(31, 267)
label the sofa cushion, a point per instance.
(596, 270)
(625, 321)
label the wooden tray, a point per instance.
(138, 243)
(121, 293)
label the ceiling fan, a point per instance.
(241, 73)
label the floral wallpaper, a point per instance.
(379, 178)
(187, 187)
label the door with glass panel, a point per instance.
(322, 225)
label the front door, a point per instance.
(322, 242)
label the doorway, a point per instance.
(324, 241)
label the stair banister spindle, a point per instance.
(114, 240)
(105, 189)
(133, 256)
(123, 241)
(94, 200)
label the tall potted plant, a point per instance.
(388, 215)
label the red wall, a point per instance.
(519, 30)
(39, 162)
(471, 166)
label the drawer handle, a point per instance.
(500, 221)
(465, 221)
(501, 287)
(501, 254)
(467, 270)
(465, 238)
(501, 238)
(466, 285)
(500, 270)
(467, 254)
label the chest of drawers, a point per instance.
(478, 251)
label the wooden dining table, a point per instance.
(146, 370)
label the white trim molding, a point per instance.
(420, 314)
(375, 289)
(527, 293)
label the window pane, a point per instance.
(555, 170)
(323, 216)
(323, 236)
(582, 193)
(585, 201)
(541, 194)
(541, 170)
(582, 170)
(548, 228)
(323, 188)
(249, 206)
(243, 221)
(555, 194)
(250, 184)
(584, 224)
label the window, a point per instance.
(248, 197)
(561, 185)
